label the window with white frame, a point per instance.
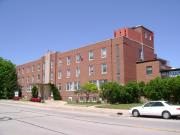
(32, 79)
(91, 55)
(145, 35)
(78, 58)
(44, 65)
(76, 85)
(28, 88)
(103, 68)
(32, 68)
(22, 70)
(77, 72)
(38, 67)
(59, 87)
(68, 59)
(38, 77)
(68, 73)
(69, 86)
(52, 64)
(103, 52)
(91, 70)
(150, 37)
(59, 74)
(59, 64)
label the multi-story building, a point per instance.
(129, 56)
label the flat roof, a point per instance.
(167, 70)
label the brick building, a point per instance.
(129, 56)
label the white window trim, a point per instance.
(102, 68)
(90, 55)
(103, 56)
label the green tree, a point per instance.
(87, 89)
(8, 79)
(111, 92)
(34, 92)
(154, 88)
(132, 92)
(55, 91)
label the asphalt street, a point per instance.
(22, 119)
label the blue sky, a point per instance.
(28, 28)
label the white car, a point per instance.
(156, 108)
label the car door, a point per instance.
(157, 108)
(147, 109)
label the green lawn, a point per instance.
(119, 106)
(110, 106)
(84, 104)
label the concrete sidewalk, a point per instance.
(64, 105)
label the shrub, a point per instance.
(111, 92)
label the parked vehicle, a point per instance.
(156, 108)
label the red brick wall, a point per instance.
(141, 71)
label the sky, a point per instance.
(29, 28)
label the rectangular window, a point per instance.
(77, 72)
(68, 73)
(68, 59)
(76, 85)
(52, 65)
(91, 55)
(59, 87)
(59, 64)
(103, 52)
(91, 70)
(32, 79)
(59, 74)
(149, 70)
(32, 68)
(69, 86)
(22, 70)
(104, 68)
(145, 35)
(44, 66)
(78, 58)
(38, 77)
(38, 67)
(28, 88)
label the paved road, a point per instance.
(21, 119)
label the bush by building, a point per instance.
(158, 89)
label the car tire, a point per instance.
(135, 113)
(166, 115)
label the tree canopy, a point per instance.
(8, 79)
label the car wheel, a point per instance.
(135, 113)
(166, 115)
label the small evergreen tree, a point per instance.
(34, 92)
